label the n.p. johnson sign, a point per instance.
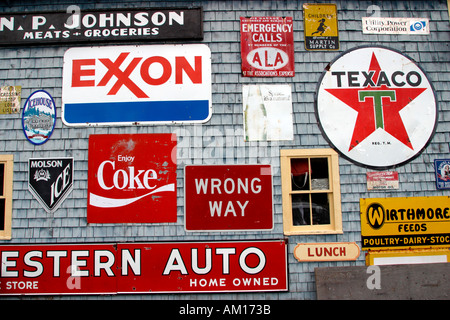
(96, 25)
(128, 85)
(160, 267)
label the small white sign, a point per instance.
(411, 26)
(267, 112)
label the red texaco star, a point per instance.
(377, 107)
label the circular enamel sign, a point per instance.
(39, 117)
(376, 107)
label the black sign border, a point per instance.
(36, 194)
(108, 40)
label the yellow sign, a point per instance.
(321, 26)
(332, 251)
(414, 222)
(10, 99)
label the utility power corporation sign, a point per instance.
(127, 85)
(411, 26)
(413, 222)
(267, 47)
(228, 197)
(50, 180)
(162, 267)
(376, 107)
(99, 25)
(132, 178)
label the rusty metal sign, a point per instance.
(376, 106)
(321, 26)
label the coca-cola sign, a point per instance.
(132, 178)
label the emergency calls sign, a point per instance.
(132, 178)
(412, 222)
(267, 47)
(130, 85)
(76, 25)
(162, 267)
(376, 107)
(228, 197)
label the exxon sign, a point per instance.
(126, 85)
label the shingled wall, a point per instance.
(220, 141)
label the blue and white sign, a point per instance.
(442, 172)
(39, 117)
(131, 85)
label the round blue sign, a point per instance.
(39, 117)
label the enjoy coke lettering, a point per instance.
(123, 179)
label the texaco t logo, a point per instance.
(376, 107)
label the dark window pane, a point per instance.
(2, 178)
(319, 174)
(320, 208)
(2, 214)
(301, 213)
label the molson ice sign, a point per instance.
(132, 178)
(376, 106)
(128, 85)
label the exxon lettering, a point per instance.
(119, 70)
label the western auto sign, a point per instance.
(376, 107)
(267, 47)
(228, 197)
(161, 267)
(132, 178)
(50, 180)
(75, 25)
(129, 85)
(412, 222)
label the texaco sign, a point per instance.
(376, 107)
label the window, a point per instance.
(311, 191)
(6, 182)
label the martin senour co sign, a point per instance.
(162, 267)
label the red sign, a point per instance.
(143, 267)
(132, 178)
(267, 47)
(228, 197)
